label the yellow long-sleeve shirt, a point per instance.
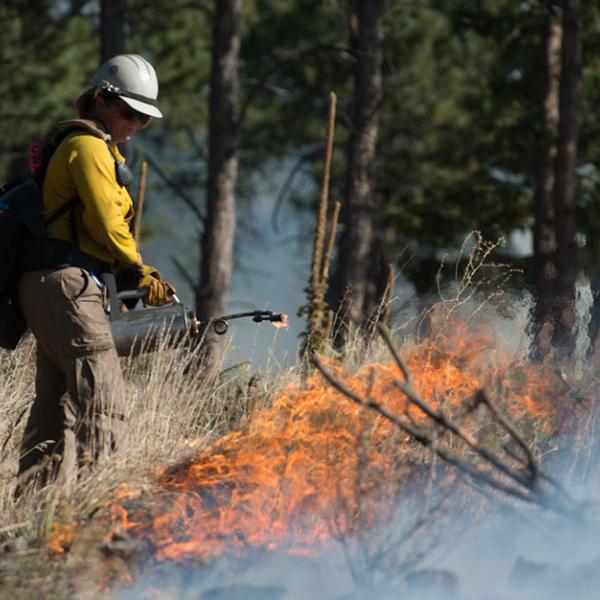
(83, 166)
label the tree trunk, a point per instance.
(353, 267)
(216, 262)
(544, 243)
(112, 28)
(565, 178)
(381, 273)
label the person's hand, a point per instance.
(158, 292)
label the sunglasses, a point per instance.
(130, 114)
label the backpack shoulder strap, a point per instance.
(66, 128)
(61, 210)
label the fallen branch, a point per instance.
(420, 436)
(524, 481)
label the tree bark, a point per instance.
(565, 178)
(544, 242)
(112, 28)
(353, 267)
(216, 262)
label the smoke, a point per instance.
(527, 557)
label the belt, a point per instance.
(50, 253)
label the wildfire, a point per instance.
(279, 481)
(61, 537)
(315, 465)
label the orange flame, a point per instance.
(61, 537)
(278, 481)
(294, 468)
(283, 324)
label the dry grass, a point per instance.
(170, 412)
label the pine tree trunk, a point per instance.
(216, 262)
(565, 178)
(353, 268)
(112, 28)
(543, 229)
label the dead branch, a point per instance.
(422, 438)
(526, 482)
(448, 424)
(529, 481)
(139, 209)
(483, 398)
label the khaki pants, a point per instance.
(77, 412)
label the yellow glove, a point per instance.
(157, 292)
(148, 270)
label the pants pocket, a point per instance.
(89, 327)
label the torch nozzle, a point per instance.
(280, 321)
(221, 324)
(269, 315)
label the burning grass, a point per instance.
(289, 465)
(281, 479)
(169, 411)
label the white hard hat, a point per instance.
(133, 79)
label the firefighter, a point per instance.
(78, 413)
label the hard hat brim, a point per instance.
(146, 109)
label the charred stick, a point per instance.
(448, 424)
(441, 419)
(421, 437)
(513, 454)
(530, 482)
(532, 463)
(553, 482)
(508, 426)
(385, 334)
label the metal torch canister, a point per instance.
(143, 330)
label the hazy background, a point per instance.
(271, 267)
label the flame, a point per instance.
(295, 473)
(61, 537)
(278, 481)
(283, 324)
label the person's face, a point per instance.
(120, 120)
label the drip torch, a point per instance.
(140, 330)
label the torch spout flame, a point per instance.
(280, 321)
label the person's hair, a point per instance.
(86, 103)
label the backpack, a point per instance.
(20, 211)
(21, 223)
(21, 218)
